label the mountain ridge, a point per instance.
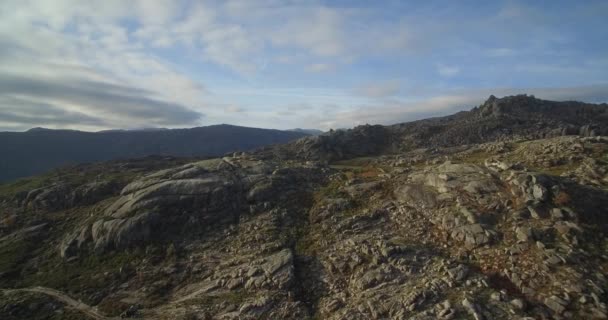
(510, 117)
(38, 150)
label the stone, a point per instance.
(556, 304)
(459, 272)
(123, 233)
(539, 192)
(471, 217)
(472, 235)
(496, 296)
(278, 261)
(556, 213)
(534, 213)
(523, 234)
(472, 309)
(518, 304)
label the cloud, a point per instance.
(25, 113)
(294, 110)
(320, 67)
(139, 63)
(447, 71)
(235, 109)
(319, 30)
(102, 103)
(78, 59)
(501, 52)
(381, 89)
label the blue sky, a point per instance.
(94, 65)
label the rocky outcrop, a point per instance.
(188, 198)
(339, 144)
(156, 203)
(64, 195)
(497, 119)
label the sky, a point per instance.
(115, 64)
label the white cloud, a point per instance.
(160, 50)
(319, 30)
(380, 89)
(235, 109)
(320, 67)
(45, 63)
(501, 52)
(447, 71)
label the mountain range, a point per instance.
(499, 212)
(39, 150)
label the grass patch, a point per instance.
(556, 170)
(13, 254)
(86, 274)
(25, 305)
(475, 157)
(71, 177)
(331, 190)
(355, 162)
(9, 190)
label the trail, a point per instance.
(70, 302)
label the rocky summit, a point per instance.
(500, 212)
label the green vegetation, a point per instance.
(331, 190)
(85, 274)
(69, 176)
(476, 157)
(355, 162)
(556, 170)
(12, 254)
(25, 305)
(8, 190)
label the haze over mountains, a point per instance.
(39, 150)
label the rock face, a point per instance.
(62, 195)
(340, 144)
(513, 229)
(187, 198)
(112, 234)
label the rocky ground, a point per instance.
(514, 229)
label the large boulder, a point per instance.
(53, 197)
(105, 235)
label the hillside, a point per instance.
(513, 117)
(39, 150)
(499, 212)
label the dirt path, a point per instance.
(70, 302)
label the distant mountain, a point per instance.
(132, 130)
(504, 119)
(39, 149)
(312, 132)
